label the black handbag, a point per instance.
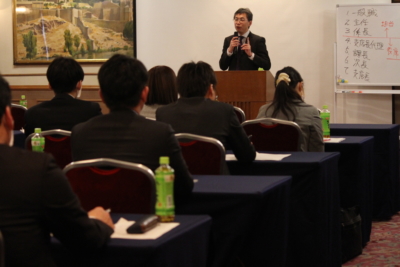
(350, 219)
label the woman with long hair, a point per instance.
(162, 90)
(288, 104)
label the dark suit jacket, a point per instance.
(258, 47)
(36, 200)
(201, 116)
(125, 135)
(62, 112)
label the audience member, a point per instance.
(125, 135)
(37, 200)
(195, 111)
(162, 90)
(288, 104)
(65, 77)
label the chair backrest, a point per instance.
(18, 113)
(240, 114)
(122, 186)
(2, 253)
(203, 155)
(57, 143)
(269, 134)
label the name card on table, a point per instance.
(156, 232)
(335, 140)
(261, 156)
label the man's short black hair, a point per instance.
(63, 74)
(122, 80)
(5, 96)
(244, 11)
(194, 79)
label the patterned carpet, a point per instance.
(383, 249)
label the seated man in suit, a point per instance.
(125, 135)
(65, 110)
(196, 112)
(36, 200)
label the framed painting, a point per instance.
(90, 31)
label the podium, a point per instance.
(248, 90)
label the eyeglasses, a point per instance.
(241, 19)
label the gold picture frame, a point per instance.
(90, 31)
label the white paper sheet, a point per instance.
(261, 156)
(156, 232)
(335, 140)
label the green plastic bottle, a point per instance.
(37, 141)
(23, 101)
(165, 208)
(325, 117)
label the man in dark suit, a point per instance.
(65, 110)
(125, 135)
(196, 112)
(244, 50)
(36, 200)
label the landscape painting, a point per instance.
(88, 30)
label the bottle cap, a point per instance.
(38, 130)
(22, 96)
(325, 106)
(164, 160)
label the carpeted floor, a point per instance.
(383, 249)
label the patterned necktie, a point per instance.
(239, 53)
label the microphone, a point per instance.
(235, 34)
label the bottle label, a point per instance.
(36, 144)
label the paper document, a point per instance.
(335, 140)
(261, 156)
(156, 232)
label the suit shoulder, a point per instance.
(86, 103)
(26, 157)
(166, 107)
(37, 107)
(308, 109)
(159, 125)
(94, 119)
(220, 105)
(256, 37)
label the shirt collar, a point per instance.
(246, 34)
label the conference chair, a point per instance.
(269, 134)
(57, 143)
(121, 186)
(18, 113)
(240, 114)
(2, 254)
(203, 155)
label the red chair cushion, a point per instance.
(121, 190)
(276, 137)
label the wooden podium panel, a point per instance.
(248, 90)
